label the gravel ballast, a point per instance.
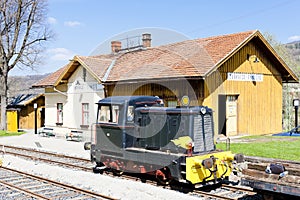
(112, 186)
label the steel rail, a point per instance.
(48, 160)
(127, 177)
(51, 161)
(56, 183)
(41, 151)
(27, 192)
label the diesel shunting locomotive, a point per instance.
(137, 134)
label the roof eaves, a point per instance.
(41, 86)
(152, 80)
(283, 63)
(58, 80)
(32, 99)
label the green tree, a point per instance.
(290, 91)
(23, 30)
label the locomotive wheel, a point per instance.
(163, 176)
(268, 197)
(182, 187)
(117, 172)
(97, 169)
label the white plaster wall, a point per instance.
(51, 100)
(80, 91)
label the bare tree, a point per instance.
(23, 29)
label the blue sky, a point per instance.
(84, 27)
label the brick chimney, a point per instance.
(146, 38)
(116, 46)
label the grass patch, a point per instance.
(5, 133)
(287, 148)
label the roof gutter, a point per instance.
(105, 77)
(133, 81)
(60, 92)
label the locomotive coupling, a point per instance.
(207, 167)
(239, 158)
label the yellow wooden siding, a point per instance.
(12, 120)
(27, 117)
(26, 120)
(259, 103)
(167, 90)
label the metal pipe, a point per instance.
(296, 118)
(60, 92)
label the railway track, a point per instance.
(76, 163)
(227, 192)
(48, 157)
(15, 184)
(271, 185)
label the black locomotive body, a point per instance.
(137, 134)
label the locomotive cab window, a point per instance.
(115, 114)
(130, 114)
(109, 113)
(104, 114)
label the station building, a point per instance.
(239, 76)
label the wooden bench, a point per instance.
(47, 132)
(74, 135)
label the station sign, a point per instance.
(244, 77)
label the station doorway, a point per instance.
(228, 115)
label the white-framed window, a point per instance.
(85, 114)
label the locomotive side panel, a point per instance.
(158, 129)
(109, 137)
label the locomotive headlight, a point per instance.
(208, 163)
(87, 146)
(203, 110)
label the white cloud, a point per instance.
(72, 23)
(61, 54)
(52, 20)
(294, 38)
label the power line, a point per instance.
(249, 14)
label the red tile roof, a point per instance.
(191, 58)
(51, 79)
(97, 64)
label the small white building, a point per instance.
(71, 94)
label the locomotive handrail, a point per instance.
(225, 170)
(135, 149)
